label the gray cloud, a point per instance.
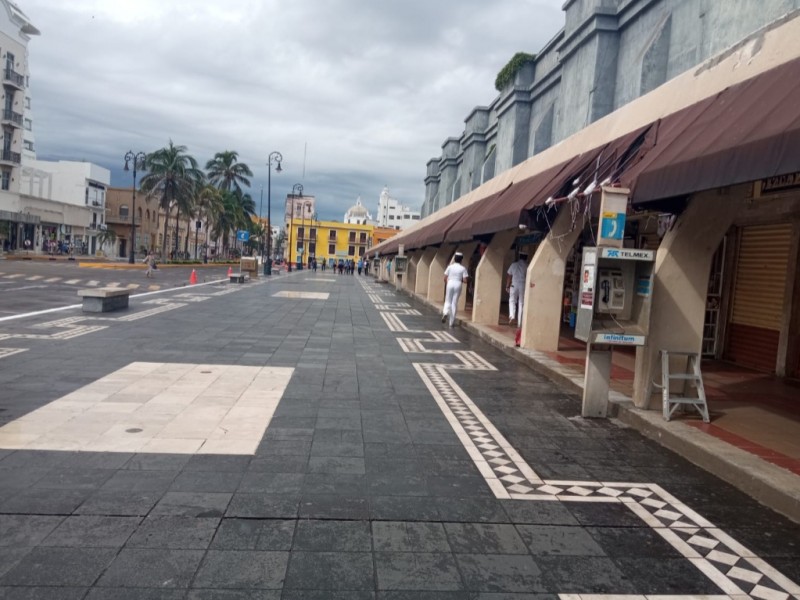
(373, 87)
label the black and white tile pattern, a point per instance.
(737, 571)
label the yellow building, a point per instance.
(327, 240)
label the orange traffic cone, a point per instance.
(193, 277)
(230, 271)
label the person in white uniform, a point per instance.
(454, 276)
(515, 285)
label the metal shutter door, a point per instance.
(758, 295)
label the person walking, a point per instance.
(150, 261)
(515, 286)
(455, 276)
(360, 265)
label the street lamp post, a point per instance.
(274, 157)
(297, 190)
(197, 225)
(136, 158)
(307, 234)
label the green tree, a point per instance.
(234, 212)
(227, 173)
(208, 204)
(108, 236)
(172, 176)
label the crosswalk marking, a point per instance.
(113, 284)
(133, 286)
(35, 277)
(72, 281)
(93, 283)
(52, 279)
(15, 276)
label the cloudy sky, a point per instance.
(370, 87)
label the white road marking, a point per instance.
(93, 283)
(509, 476)
(302, 295)
(14, 276)
(158, 407)
(34, 278)
(52, 279)
(26, 287)
(72, 281)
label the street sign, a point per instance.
(243, 236)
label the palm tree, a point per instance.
(207, 204)
(106, 236)
(225, 172)
(172, 175)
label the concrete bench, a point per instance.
(98, 300)
(238, 277)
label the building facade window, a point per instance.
(301, 233)
(312, 249)
(312, 233)
(351, 251)
(352, 237)
(362, 238)
(5, 180)
(361, 251)
(28, 124)
(123, 210)
(332, 235)
(331, 249)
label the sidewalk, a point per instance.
(753, 440)
(313, 436)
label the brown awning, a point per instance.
(430, 234)
(461, 231)
(747, 132)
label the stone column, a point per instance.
(411, 276)
(423, 272)
(467, 250)
(680, 284)
(541, 319)
(439, 263)
(490, 278)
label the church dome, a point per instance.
(358, 209)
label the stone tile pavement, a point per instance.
(402, 460)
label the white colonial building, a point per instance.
(392, 213)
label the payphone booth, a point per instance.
(616, 290)
(400, 268)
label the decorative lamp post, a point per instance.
(307, 234)
(137, 158)
(197, 225)
(261, 222)
(274, 157)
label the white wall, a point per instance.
(69, 181)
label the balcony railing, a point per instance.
(11, 76)
(9, 156)
(12, 117)
(117, 218)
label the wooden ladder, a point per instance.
(691, 376)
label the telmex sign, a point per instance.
(627, 253)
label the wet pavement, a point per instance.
(319, 436)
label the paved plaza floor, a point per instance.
(316, 436)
